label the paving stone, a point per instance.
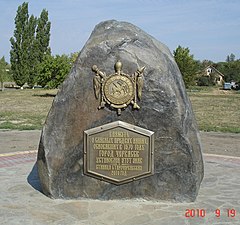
(21, 204)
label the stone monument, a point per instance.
(121, 125)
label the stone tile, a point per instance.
(78, 210)
(137, 220)
(21, 204)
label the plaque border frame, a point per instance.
(150, 134)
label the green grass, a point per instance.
(24, 109)
(12, 126)
(215, 110)
(201, 89)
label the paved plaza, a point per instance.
(22, 202)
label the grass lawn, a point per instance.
(215, 110)
(25, 109)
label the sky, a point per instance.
(209, 28)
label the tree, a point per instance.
(187, 65)
(205, 63)
(230, 58)
(231, 70)
(73, 57)
(53, 70)
(40, 46)
(43, 35)
(32, 56)
(19, 53)
(29, 45)
(5, 72)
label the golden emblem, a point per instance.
(119, 89)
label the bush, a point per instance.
(204, 81)
(53, 70)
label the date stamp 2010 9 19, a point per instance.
(201, 213)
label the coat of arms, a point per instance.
(118, 90)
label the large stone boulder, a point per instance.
(165, 110)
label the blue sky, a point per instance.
(210, 28)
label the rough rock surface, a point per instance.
(165, 109)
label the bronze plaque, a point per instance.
(118, 152)
(119, 89)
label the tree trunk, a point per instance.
(2, 86)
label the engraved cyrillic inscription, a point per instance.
(118, 154)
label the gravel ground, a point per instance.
(221, 143)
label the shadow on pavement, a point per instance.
(33, 179)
